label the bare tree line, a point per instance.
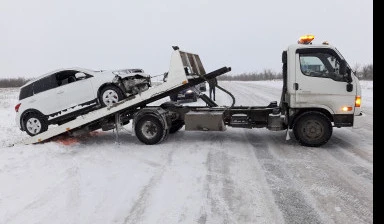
(252, 76)
(13, 82)
(362, 72)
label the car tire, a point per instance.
(110, 95)
(34, 124)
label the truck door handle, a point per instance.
(60, 91)
(296, 86)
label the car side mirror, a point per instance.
(80, 75)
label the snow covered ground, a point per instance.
(236, 176)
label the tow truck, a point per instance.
(320, 92)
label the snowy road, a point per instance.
(236, 176)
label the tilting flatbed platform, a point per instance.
(186, 70)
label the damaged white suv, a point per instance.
(62, 95)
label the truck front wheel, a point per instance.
(312, 129)
(149, 130)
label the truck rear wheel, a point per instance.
(149, 130)
(312, 129)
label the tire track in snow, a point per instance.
(332, 186)
(219, 187)
(50, 195)
(136, 212)
(294, 205)
(348, 145)
(233, 193)
(352, 157)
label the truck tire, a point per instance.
(149, 130)
(176, 126)
(35, 123)
(312, 129)
(109, 95)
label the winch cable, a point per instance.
(221, 88)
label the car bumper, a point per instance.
(17, 120)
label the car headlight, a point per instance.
(189, 91)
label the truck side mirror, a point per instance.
(349, 87)
(343, 67)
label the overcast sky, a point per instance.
(247, 35)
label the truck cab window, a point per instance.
(322, 65)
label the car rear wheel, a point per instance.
(110, 95)
(34, 124)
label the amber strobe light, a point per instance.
(306, 39)
(357, 101)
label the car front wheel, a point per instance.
(34, 124)
(110, 95)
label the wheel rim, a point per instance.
(313, 129)
(34, 125)
(149, 129)
(110, 97)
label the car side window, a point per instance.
(322, 65)
(44, 84)
(70, 76)
(26, 91)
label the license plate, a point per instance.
(180, 95)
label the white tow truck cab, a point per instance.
(317, 76)
(319, 92)
(319, 87)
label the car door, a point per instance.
(318, 82)
(77, 94)
(45, 95)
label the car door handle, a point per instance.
(60, 92)
(31, 101)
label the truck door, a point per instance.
(319, 83)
